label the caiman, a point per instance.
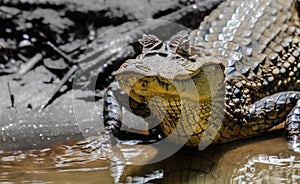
(235, 76)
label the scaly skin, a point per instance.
(243, 64)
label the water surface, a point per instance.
(263, 159)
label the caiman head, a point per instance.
(174, 77)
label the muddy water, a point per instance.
(264, 159)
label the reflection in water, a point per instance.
(263, 159)
(270, 169)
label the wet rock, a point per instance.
(58, 64)
(25, 126)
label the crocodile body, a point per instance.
(243, 62)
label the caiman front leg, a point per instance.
(112, 113)
(275, 109)
(122, 111)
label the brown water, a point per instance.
(264, 159)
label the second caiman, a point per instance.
(236, 76)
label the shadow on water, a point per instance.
(263, 159)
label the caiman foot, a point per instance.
(101, 143)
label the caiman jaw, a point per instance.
(191, 85)
(143, 88)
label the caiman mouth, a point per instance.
(143, 88)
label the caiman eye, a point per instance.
(183, 48)
(150, 42)
(180, 44)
